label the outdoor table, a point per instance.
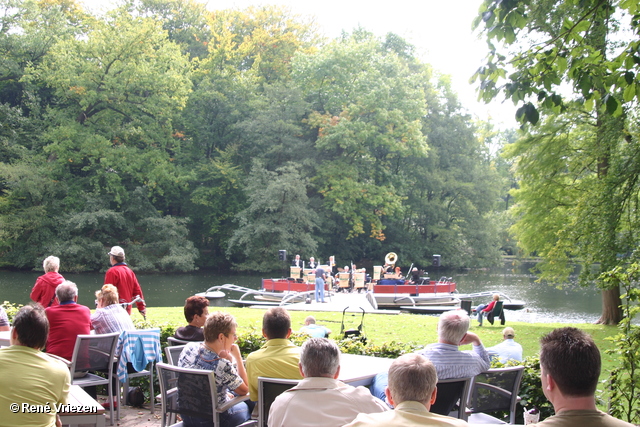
(358, 370)
(79, 398)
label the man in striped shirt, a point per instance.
(450, 362)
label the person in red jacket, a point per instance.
(124, 279)
(67, 320)
(44, 291)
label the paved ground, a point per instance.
(136, 417)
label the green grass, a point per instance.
(405, 328)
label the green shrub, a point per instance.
(11, 309)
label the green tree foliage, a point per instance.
(576, 62)
(221, 137)
(367, 109)
(278, 216)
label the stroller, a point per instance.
(356, 334)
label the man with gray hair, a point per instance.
(412, 391)
(450, 362)
(44, 291)
(320, 399)
(66, 321)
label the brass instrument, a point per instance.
(391, 258)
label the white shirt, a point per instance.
(322, 402)
(507, 349)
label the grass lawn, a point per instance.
(405, 328)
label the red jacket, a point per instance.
(124, 279)
(44, 291)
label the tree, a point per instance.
(278, 216)
(367, 109)
(537, 50)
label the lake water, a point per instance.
(544, 303)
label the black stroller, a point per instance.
(354, 333)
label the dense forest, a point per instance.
(213, 139)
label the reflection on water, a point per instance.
(544, 303)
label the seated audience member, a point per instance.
(196, 310)
(109, 315)
(279, 357)
(44, 290)
(4, 320)
(67, 320)
(316, 331)
(449, 361)
(219, 353)
(569, 369)
(483, 310)
(320, 399)
(27, 375)
(411, 391)
(508, 349)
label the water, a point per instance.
(544, 303)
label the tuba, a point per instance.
(391, 258)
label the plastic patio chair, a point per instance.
(495, 390)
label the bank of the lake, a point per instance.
(405, 328)
(544, 302)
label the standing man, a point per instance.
(508, 349)
(44, 291)
(67, 320)
(124, 279)
(27, 375)
(569, 369)
(319, 294)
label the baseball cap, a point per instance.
(116, 251)
(508, 332)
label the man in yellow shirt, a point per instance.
(279, 357)
(32, 383)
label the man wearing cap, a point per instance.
(507, 349)
(124, 279)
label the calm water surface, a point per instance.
(544, 303)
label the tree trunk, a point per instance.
(611, 311)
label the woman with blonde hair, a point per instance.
(110, 316)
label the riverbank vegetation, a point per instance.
(213, 139)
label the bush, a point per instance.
(11, 309)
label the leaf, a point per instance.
(629, 76)
(612, 104)
(629, 92)
(486, 16)
(532, 114)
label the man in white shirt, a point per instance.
(508, 349)
(320, 399)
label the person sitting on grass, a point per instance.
(316, 331)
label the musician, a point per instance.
(297, 262)
(398, 273)
(415, 275)
(312, 263)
